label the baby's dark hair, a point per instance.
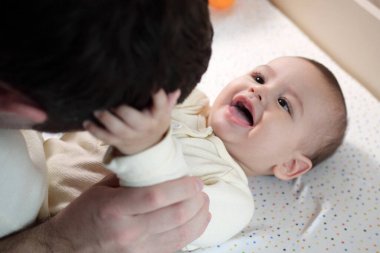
(331, 140)
(76, 56)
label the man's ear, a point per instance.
(15, 103)
(293, 168)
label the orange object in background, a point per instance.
(221, 4)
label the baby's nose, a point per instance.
(255, 92)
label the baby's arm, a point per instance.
(150, 157)
(132, 131)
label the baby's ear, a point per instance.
(293, 168)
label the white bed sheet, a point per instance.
(334, 208)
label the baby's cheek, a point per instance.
(275, 138)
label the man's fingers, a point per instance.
(173, 216)
(181, 236)
(150, 198)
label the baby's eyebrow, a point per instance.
(267, 69)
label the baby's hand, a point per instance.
(132, 131)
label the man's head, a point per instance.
(282, 118)
(65, 59)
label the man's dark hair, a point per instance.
(76, 56)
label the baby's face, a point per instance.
(266, 116)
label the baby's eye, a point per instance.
(258, 78)
(284, 104)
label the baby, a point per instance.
(280, 119)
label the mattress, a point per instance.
(333, 208)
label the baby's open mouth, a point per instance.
(244, 111)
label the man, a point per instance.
(59, 62)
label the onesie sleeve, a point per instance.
(161, 162)
(231, 207)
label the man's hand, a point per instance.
(132, 131)
(162, 218)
